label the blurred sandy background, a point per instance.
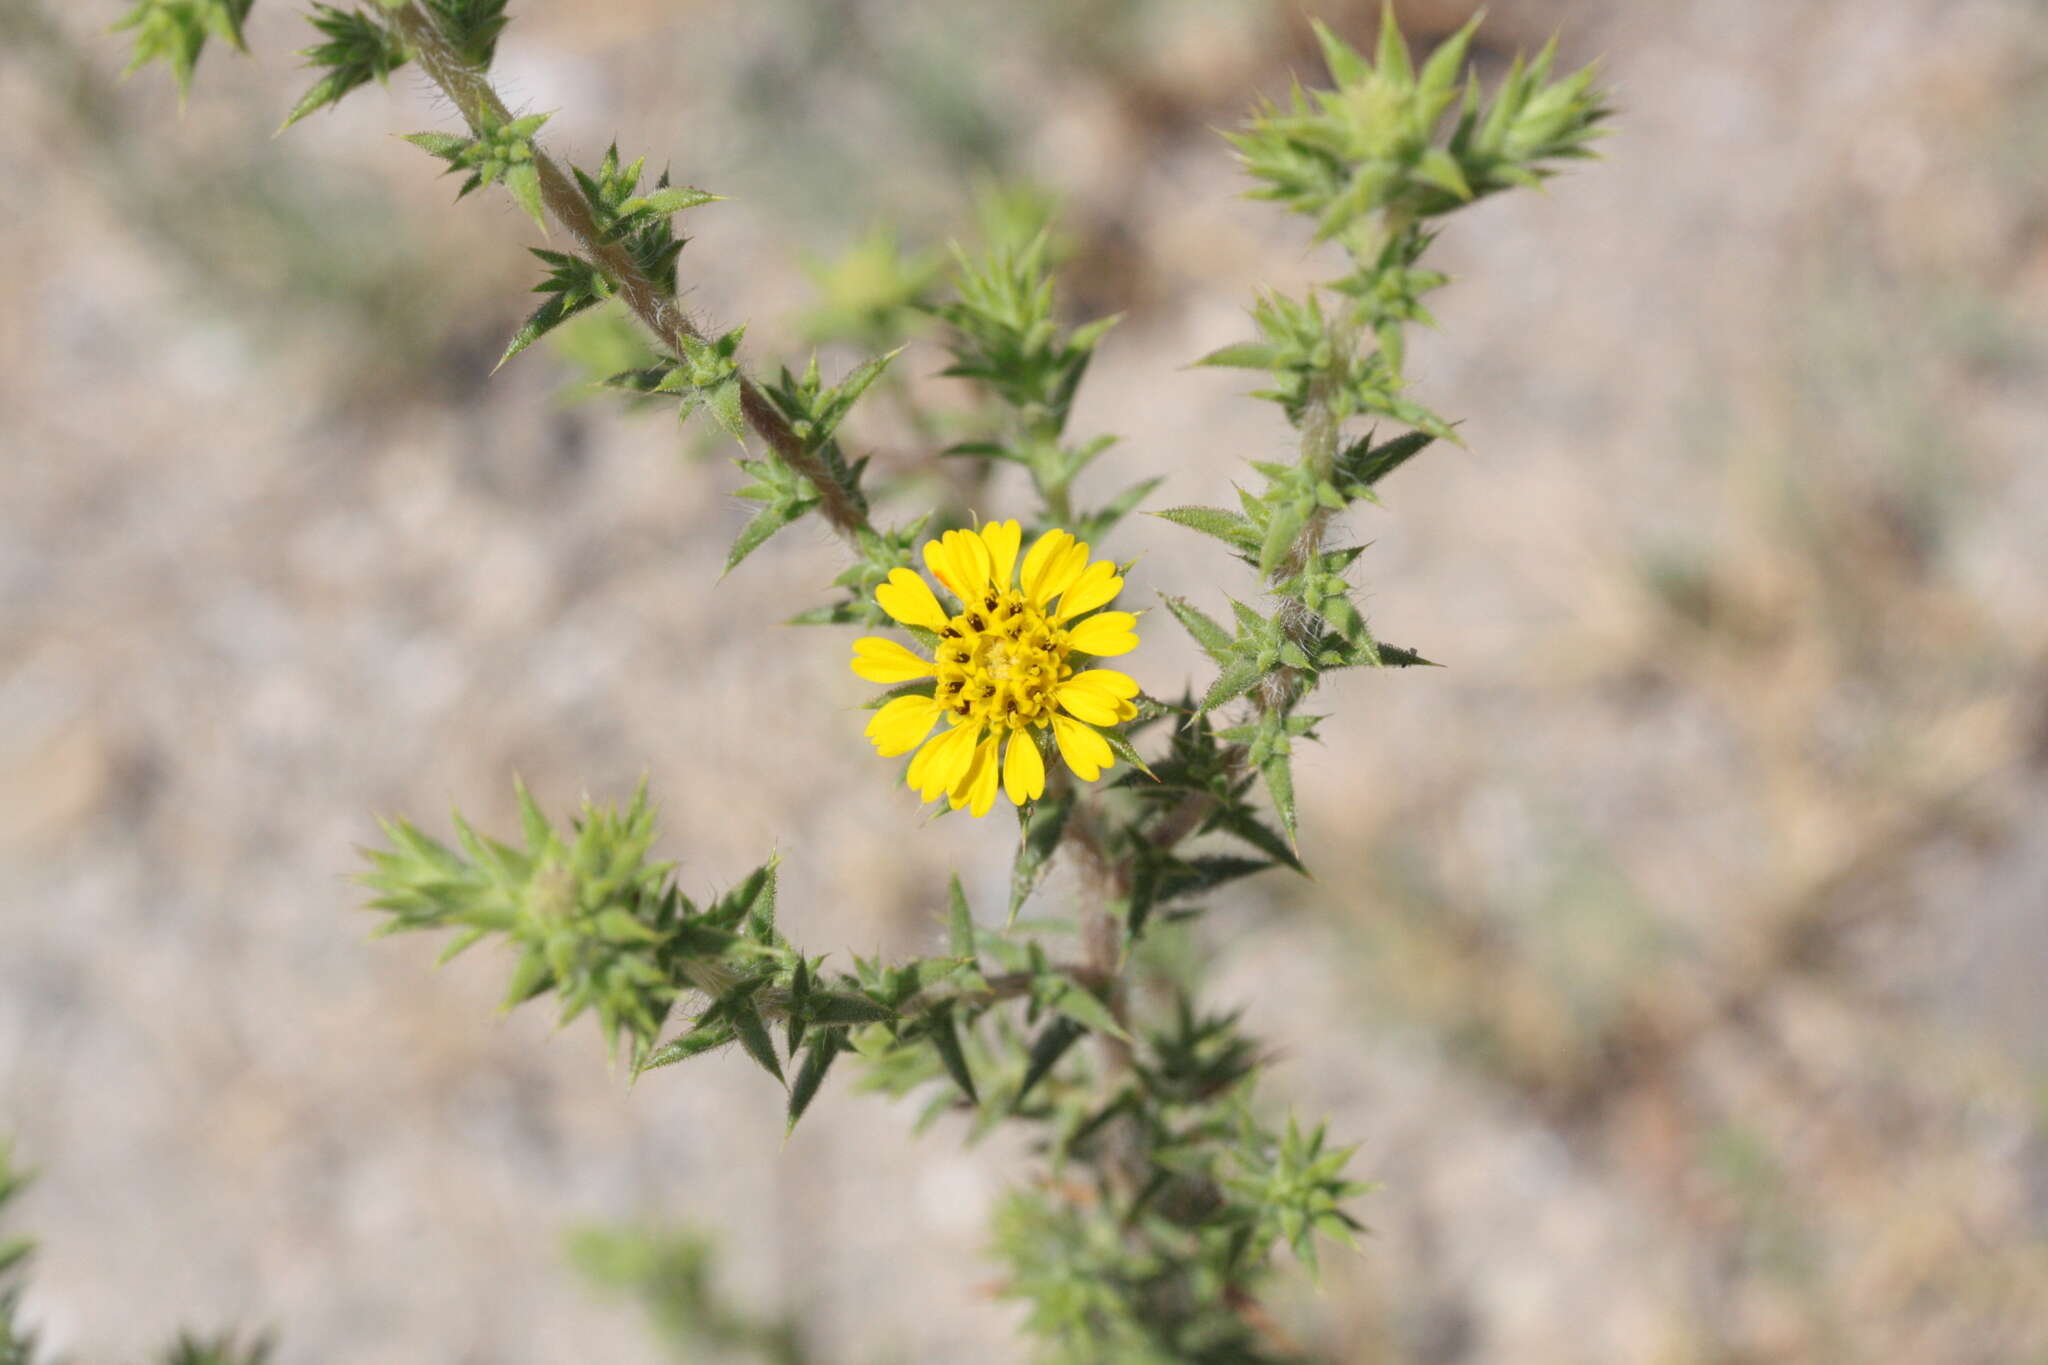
(1679, 953)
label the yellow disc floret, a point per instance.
(1004, 667)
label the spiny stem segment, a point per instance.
(467, 86)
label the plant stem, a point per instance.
(471, 91)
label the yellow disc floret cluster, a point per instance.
(1004, 667)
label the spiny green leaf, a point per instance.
(1231, 528)
(669, 199)
(1125, 750)
(843, 1007)
(753, 1036)
(1047, 1048)
(959, 922)
(946, 1042)
(1083, 1008)
(1039, 831)
(1238, 677)
(1242, 355)
(762, 525)
(824, 1049)
(1278, 772)
(701, 1039)
(1215, 641)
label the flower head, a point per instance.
(1008, 666)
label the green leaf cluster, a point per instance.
(593, 917)
(470, 26)
(1371, 160)
(813, 411)
(601, 925)
(573, 285)
(640, 222)
(501, 152)
(175, 32)
(1314, 362)
(1004, 334)
(1161, 1269)
(1378, 142)
(358, 48)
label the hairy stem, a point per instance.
(471, 91)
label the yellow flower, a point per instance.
(1004, 666)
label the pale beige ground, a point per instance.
(1677, 953)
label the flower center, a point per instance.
(998, 662)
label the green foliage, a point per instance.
(175, 32)
(872, 294)
(359, 48)
(1163, 1267)
(223, 1349)
(592, 917)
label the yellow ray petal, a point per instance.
(1002, 539)
(1043, 552)
(1086, 703)
(938, 765)
(1097, 585)
(906, 597)
(1059, 573)
(1086, 752)
(1120, 685)
(1105, 635)
(960, 560)
(938, 561)
(885, 661)
(1023, 769)
(976, 788)
(902, 724)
